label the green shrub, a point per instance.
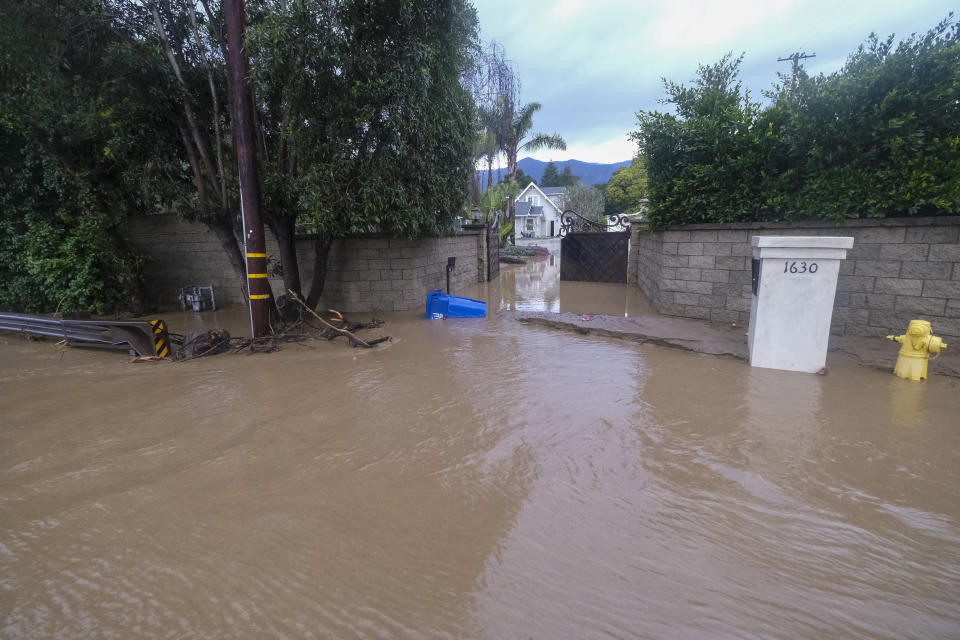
(880, 137)
(505, 231)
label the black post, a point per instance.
(241, 103)
(451, 263)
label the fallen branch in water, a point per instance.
(198, 344)
(354, 340)
(213, 341)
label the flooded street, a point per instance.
(473, 479)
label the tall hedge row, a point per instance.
(880, 137)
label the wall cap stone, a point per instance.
(928, 221)
(472, 231)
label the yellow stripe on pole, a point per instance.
(256, 255)
(257, 296)
(256, 275)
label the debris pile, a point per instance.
(197, 344)
(302, 325)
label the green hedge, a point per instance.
(880, 137)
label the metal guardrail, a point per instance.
(138, 336)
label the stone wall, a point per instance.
(898, 269)
(364, 273)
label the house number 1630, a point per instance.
(799, 267)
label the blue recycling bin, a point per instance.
(441, 305)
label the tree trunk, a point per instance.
(284, 229)
(512, 177)
(475, 190)
(321, 251)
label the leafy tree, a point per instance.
(877, 138)
(82, 146)
(363, 123)
(586, 201)
(551, 177)
(498, 197)
(109, 107)
(626, 191)
(194, 47)
(701, 160)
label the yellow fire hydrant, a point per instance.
(918, 344)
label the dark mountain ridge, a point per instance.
(590, 173)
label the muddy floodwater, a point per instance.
(473, 479)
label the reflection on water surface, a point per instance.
(536, 286)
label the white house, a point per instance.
(538, 210)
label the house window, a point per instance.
(529, 224)
(534, 200)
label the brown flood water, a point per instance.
(473, 479)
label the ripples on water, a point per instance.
(474, 479)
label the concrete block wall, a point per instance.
(388, 274)
(363, 273)
(179, 253)
(645, 262)
(482, 252)
(898, 269)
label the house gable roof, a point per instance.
(546, 192)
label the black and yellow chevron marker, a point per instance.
(160, 338)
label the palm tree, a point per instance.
(512, 130)
(487, 148)
(484, 148)
(513, 138)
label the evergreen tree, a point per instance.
(522, 178)
(550, 176)
(567, 179)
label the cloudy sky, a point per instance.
(593, 63)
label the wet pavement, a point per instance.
(474, 479)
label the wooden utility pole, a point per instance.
(241, 106)
(795, 58)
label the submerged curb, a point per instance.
(665, 331)
(706, 338)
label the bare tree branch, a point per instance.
(216, 107)
(187, 108)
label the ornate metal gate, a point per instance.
(592, 251)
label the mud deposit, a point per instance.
(473, 479)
